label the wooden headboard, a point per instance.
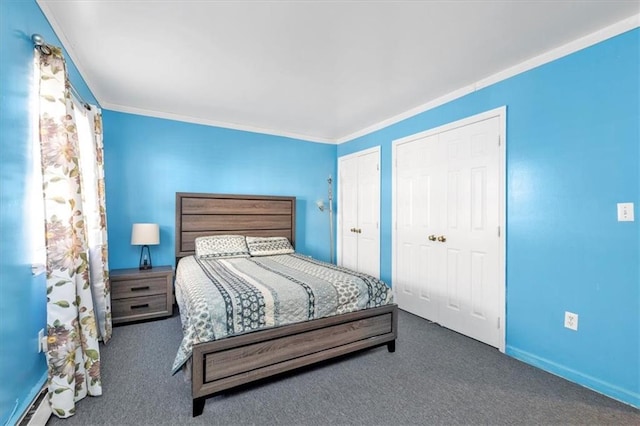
(218, 214)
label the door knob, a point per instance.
(353, 229)
(432, 237)
(442, 238)
(359, 231)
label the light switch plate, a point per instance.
(625, 212)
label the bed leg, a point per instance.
(198, 406)
(391, 346)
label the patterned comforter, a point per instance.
(225, 297)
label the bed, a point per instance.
(240, 355)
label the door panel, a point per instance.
(407, 291)
(451, 279)
(416, 199)
(478, 198)
(471, 229)
(368, 214)
(478, 305)
(348, 207)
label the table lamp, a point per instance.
(145, 234)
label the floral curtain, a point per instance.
(92, 173)
(73, 354)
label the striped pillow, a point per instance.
(221, 246)
(267, 246)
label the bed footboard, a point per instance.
(233, 361)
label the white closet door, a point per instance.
(359, 211)
(447, 248)
(416, 215)
(348, 208)
(471, 212)
(369, 214)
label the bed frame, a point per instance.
(237, 360)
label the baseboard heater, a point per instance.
(39, 411)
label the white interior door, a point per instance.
(448, 254)
(359, 211)
(416, 200)
(471, 212)
(348, 212)
(369, 213)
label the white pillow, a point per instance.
(267, 246)
(221, 246)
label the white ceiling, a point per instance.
(318, 70)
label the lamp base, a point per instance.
(145, 260)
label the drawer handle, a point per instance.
(139, 288)
(146, 305)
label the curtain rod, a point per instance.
(39, 43)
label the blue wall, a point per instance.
(22, 297)
(148, 160)
(573, 137)
(572, 153)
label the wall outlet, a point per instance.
(625, 212)
(571, 320)
(40, 340)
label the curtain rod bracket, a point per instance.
(39, 43)
(43, 47)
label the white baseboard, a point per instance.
(39, 412)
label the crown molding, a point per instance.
(207, 122)
(549, 56)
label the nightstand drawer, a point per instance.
(139, 307)
(138, 295)
(126, 288)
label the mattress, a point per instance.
(219, 298)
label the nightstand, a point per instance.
(141, 294)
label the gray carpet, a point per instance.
(436, 376)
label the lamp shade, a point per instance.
(145, 234)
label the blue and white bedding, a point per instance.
(230, 296)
